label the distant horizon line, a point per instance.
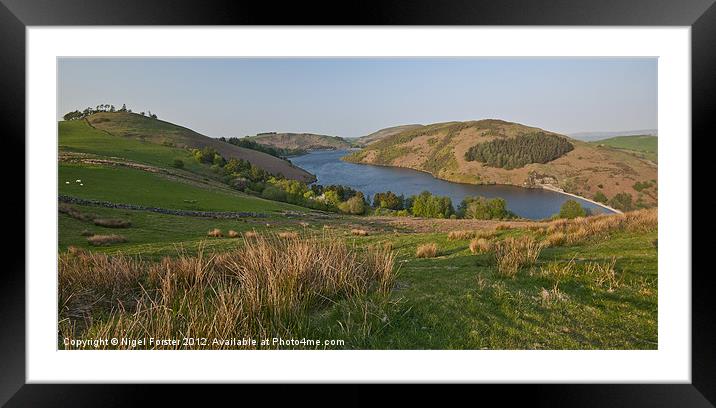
(630, 132)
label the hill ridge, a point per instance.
(587, 170)
(132, 125)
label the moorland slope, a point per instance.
(499, 152)
(301, 141)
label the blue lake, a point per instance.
(526, 202)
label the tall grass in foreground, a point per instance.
(265, 288)
(512, 254)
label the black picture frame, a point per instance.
(16, 15)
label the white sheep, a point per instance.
(78, 181)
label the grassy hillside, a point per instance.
(586, 170)
(644, 146)
(383, 133)
(129, 170)
(132, 186)
(79, 136)
(301, 141)
(145, 129)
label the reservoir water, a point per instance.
(329, 169)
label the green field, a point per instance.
(130, 186)
(645, 146)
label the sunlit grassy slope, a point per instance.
(646, 146)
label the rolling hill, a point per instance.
(134, 126)
(644, 146)
(515, 154)
(383, 133)
(128, 170)
(301, 141)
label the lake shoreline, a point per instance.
(559, 190)
(541, 186)
(528, 202)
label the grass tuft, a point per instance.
(427, 251)
(101, 240)
(112, 223)
(480, 246)
(512, 254)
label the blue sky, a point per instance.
(355, 96)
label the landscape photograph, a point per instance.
(426, 203)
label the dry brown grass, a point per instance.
(75, 213)
(288, 235)
(100, 240)
(112, 223)
(467, 234)
(215, 233)
(265, 288)
(480, 246)
(233, 234)
(552, 296)
(604, 274)
(460, 235)
(359, 232)
(578, 230)
(559, 270)
(73, 250)
(512, 254)
(427, 251)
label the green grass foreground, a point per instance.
(454, 300)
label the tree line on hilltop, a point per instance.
(77, 114)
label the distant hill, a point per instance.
(510, 153)
(132, 125)
(644, 146)
(593, 136)
(301, 141)
(383, 133)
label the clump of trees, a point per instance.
(482, 208)
(519, 151)
(622, 201)
(76, 114)
(431, 206)
(244, 176)
(600, 197)
(389, 200)
(572, 209)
